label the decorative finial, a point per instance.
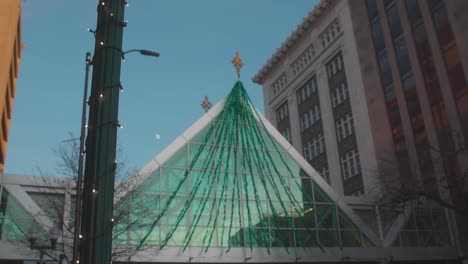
(206, 104)
(237, 64)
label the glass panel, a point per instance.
(281, 238)
(306, 238)
(179, 159)
(351, 238)
(320, 196)
(256, 237)
(409, 238)
(345, 222)
(326, 216)
(151, 184)
(329, 238)
(173, 181)
(51, 204)
(306, 218)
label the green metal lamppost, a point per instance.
(93, 239)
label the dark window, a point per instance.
(287, 134)
(335, 66)
(282, 112)
(384, 67)
(389, 91)
(377, 34)
(402, 56)
(419, 33)
(387, 2)
(394, 20)
(414, 12)
(434, 3)
(307, 90)
(371, 8)
(408, 82)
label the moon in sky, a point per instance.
(157, 136)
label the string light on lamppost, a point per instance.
(100, 153)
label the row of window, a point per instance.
(330, 33)
(310, 117)
(304, 59)
(314, 147)
(279, 84)
(386, 74)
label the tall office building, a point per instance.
(371, 89)
(10, 50)
(374, 94)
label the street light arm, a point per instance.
(143, 52)
(122, 53)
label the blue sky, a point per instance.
(197, 41)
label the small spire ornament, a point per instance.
(206, 104)
(237, 61)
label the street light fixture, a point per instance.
(33, 235)
(144, 52)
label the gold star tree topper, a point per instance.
(237, 63)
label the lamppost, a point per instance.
(33, 235)
(78, 207)
(101, 140)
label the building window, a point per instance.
(282, 112)
(377, 34)
(314, 147)
(350, 164)
(402, 55)
(335, 65)
(279, 84)
(389, 91)
(394, 20)
(330, 33)
(344, 126)
(384, 66)
(339, 94)
(324, 173)
(371, 9)
(309, 117)
(303, 60)
(287, 134)
(307, 90)
(337, 26)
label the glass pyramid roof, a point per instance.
(231, 180)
